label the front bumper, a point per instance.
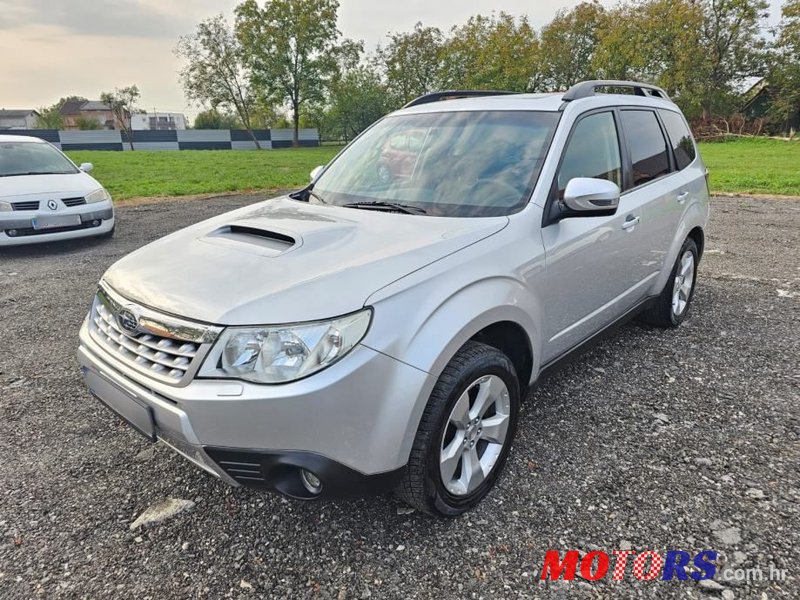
(351, 425)
(17, 228)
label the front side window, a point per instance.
(452, 164)
(679, 137)
(592, 151)
(649, 158)
(32, 158)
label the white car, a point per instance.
(44, 197)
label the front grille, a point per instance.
(74, 201)
(165, 358)
(28, 205)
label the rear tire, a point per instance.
(465, 433)
(673, 304)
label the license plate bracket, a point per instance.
(122, 403)
(55, 221)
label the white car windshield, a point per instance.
(32, 158)
(454, 164)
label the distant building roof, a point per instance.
(76, 107)
(72, 107)
(17, 113)
(95, 105)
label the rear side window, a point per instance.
(648, 148)
(592, 151)
(679, 138)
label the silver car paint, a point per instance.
(433, 284)
(340, 256)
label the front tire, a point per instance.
(465, 434)
(673, 304)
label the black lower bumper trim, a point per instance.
(281, 471)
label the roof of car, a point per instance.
(20, 138)
(552, 102)
(589, 94)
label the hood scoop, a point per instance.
(253, 238)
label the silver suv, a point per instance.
(378, 329)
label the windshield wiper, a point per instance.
(403, 208)
(37, 173)
(311, 192)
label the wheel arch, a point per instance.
(698, 235)
(511, 339)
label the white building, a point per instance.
(18, 119)
(158, 121)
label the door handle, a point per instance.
(681, 198)
(631, 222)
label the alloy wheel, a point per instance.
(475, 435)
(684, 280)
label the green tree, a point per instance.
(357, 100)
(292, 50)
(87, 123)
(213, 119)
(496, 52)
(784, 76)
(567, 47)
(214, 74)
(733, 50)
(411, 63)
(49, 118)
(122, 102)
(656, 41)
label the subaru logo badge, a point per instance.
(52, 205)
(127, 320)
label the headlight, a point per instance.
(97, 196)
(5, 206)
(283, 353)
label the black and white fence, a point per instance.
(184, 139)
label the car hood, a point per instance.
(35, 185)
(285, 261)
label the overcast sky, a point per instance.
(54, 48)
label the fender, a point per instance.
(695, 215)
(436, 339)
(448, 302)
(431, 335)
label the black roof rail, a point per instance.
(586, 89)
(455, 95)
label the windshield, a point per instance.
(32, 158)
(454, 164)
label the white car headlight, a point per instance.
(97, 196)
(284, 353)
(5, 206)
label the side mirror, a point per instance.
(86, 167)
(316, 173)
(591, 197)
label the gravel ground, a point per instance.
(658, 440)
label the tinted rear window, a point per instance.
(679, 137)
(647, 145)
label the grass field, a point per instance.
(745, 166)
(754, 166)
(141, 174)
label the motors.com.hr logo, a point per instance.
(648, 566)
(644, 566)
